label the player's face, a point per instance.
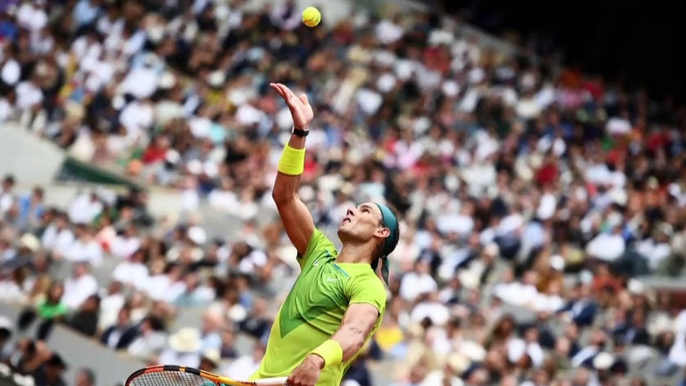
(362, 223)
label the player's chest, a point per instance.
(324, 280)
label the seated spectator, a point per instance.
(183, 348)
(212, 322)
(51, 372)
(84, 248)
(85, 319)
(79, 286)
(111, 303)
(256, 324)
(58, 237)
(85, 377)
(49, 310)
(227, 349)
(150, 340)
(245, 365)
(210, 360)
(120, 335)
(133, 271)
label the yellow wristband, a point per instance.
(331, 351)
(292, 161)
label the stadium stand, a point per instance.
(544, 210)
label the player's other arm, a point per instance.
(296, 218)
(367, 303)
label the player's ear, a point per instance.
(382, 232)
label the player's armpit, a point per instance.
(358, 323)
(297, 220)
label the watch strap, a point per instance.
(299, 132)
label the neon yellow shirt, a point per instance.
(314, 310)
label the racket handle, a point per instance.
(271, 381)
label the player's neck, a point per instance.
(355, 253)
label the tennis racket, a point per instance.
(167, 375)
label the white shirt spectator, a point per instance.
(77, 290)
(437, 312)
(11, 72)
(10, 292)
(84, 209)
(224, 200)
(618, 126)
(607, 247)
(109, 309)
(413, 284)
(137, 118)
(131, 273)
(123, 246)
(242, 368)
(654, 252)
(171, 357)
(57, 240)
(28, 95)
(157, 287)
(254, 260)
(32, 17)
(387, 32)
(84, 251)
(455, 223)
(517, 294)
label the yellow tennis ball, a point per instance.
(311, 16)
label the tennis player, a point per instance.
(339, 300)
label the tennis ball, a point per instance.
(311, 16)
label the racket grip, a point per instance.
(271, 381)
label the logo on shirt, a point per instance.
(330, 279)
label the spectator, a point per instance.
(85, 377)
(51, 373)
(49, 310)
(150, 340)
(79, 286)
(85, 319)
(245, 365)
(120, 335)
(184, 348)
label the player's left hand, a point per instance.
(307, 374)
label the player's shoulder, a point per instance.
(319, 246)
(363, 278)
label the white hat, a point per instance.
(5, 323)
(603, 361)
(636, 287)
(458, 363)
(29, 242)
(167, 81)
(237, 313)
(186, 340)
(212, 355)
(557, 263)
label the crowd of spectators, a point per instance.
(532, 198)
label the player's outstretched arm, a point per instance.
(296, 218)
(358, 323)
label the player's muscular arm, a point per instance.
(358, 323)
(296, 218)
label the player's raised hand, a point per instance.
(301, 111)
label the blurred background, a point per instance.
(537, 160)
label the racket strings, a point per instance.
(170, 378)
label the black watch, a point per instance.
(299, 132)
